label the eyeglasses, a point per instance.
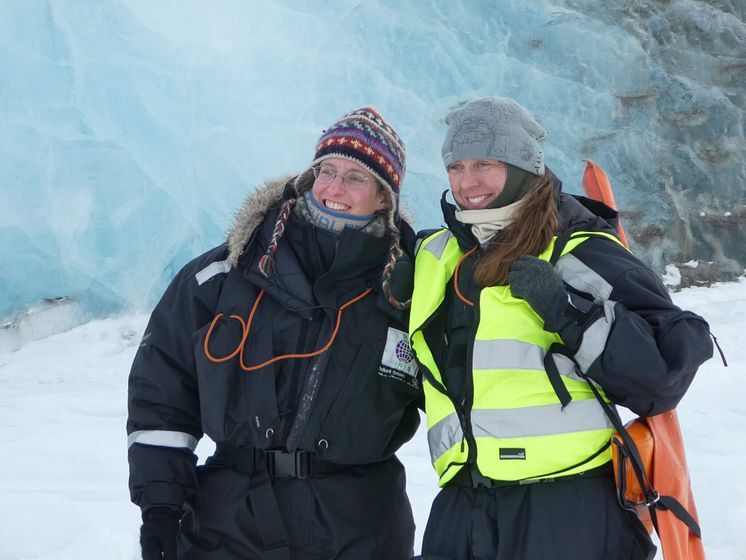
(352, 179)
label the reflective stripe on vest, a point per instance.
(435, 261)
(519, 427)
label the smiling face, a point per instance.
(348, 196)
(475, 183)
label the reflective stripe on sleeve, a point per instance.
(595, 337)
(212, 269)
(163, 438)
(583, 278)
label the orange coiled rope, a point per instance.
(246, 328)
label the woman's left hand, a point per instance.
(537, 282)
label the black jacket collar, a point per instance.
(356, 264)
(462, 232)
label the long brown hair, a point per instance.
(535, 224)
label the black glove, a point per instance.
(537, 282)
(160, 527)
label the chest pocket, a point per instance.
(370, 382)
(229, 404)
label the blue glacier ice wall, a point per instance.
(132, 130)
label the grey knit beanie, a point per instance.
(495, 128)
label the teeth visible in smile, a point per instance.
(336, 206)
(476, 199)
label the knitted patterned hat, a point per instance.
(365, 137)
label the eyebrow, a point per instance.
(353, 170)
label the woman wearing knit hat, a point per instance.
(523, 306)
(286, 345)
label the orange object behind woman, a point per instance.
(668, 474)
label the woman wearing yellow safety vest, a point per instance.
(525, 294)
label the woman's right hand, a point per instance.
(160, 527)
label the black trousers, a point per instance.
(361, 513)
(574, 519)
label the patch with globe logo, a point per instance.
(398, 358)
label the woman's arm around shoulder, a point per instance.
(643, 349)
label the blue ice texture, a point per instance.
(131, 131)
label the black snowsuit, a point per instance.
(305, 447)
(651, 355)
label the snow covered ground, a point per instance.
(63, 471)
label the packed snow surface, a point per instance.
(63, 476)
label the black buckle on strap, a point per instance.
(283, 464)
(279, 464)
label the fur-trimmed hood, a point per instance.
(254, 209)
(258, 203)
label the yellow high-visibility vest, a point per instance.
(515, 421)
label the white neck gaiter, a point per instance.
(486, 223)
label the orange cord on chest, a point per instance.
(455, 276)
(246, 328)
